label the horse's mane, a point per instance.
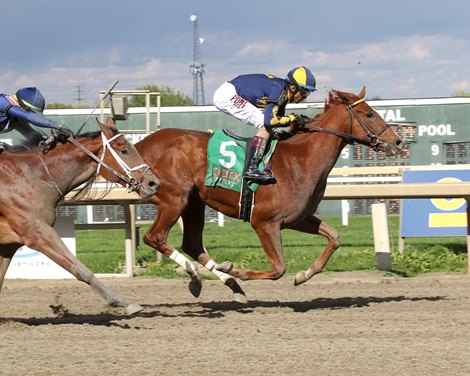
(91, 134)
(334, 98)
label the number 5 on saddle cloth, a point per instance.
(226, 162)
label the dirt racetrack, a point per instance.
(336, 324)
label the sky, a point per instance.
(396, 49)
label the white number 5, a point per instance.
(227, 153)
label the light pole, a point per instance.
(197, 67)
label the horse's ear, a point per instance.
(331, 99)
(333, 96)
(108, 127)
(362, 93)
(105, 128)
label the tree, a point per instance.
(461, 94)
(169, 97)
(58, 105)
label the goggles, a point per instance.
(304, 92)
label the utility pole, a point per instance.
(197, 67)
(79, 98)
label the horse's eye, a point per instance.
(124, 151)
(370, 114)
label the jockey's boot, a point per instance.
(256, 155)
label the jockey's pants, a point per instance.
(227, 100)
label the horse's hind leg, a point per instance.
(193, 219)
(6, 254)
(313, 225)
(270, 238)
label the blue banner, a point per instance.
(434, 217)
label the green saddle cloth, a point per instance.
(226, 161)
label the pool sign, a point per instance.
(437, 216)
(31, 264)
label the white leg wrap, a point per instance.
(221, 275)
(210, 265)
(184, 262)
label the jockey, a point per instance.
(260, 100)
(24, 108)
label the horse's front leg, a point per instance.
(47, 241)
(156, 237)
(203, 258)
(193, 218)
(313, 225)
(270, 238)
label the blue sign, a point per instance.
(434, 217)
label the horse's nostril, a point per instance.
(153, 184)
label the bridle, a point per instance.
(132, 184)
(372, 140)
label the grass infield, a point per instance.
(103, 250)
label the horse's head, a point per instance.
(366, 126)
(129, 167)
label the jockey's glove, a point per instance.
(283, 131)
(65, 131)
(62, 133)
(299, 119)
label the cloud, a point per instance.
(421, 52)
(408, 66)
(148, 71)
(264, 49)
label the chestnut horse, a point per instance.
(34, 182)
(301, 165)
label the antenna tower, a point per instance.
(197, 67)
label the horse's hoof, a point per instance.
(225, 266)
(133, 308)
(300, 278)
(240, 298)
(195, 287)
(238, 294)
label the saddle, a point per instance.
(236, 136)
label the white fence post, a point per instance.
(345, 212)
(220, 219)
(381, 237)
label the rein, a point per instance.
(132, 184)
(49, 175)
(372, 140)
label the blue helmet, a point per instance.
(30, 99)
(302, 78)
